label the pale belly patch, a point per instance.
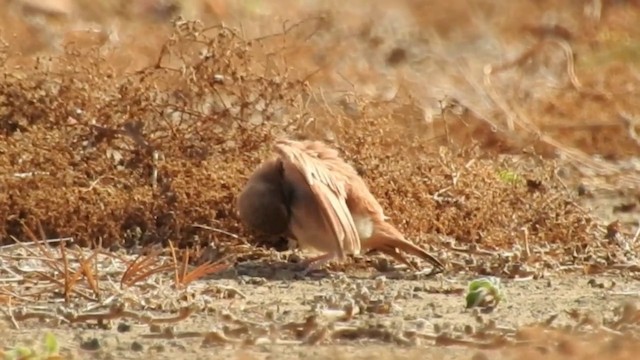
(364, 226)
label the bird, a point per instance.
(310, 194)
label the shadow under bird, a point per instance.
(310, 194)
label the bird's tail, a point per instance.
(389, 241)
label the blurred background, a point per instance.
(562, 69)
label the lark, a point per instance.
(309, 194)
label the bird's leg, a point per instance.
(316, 262)
(397, 256)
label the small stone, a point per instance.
(90, 345)
(124, 327)
(479, 356)
(582, 190)
(136, 346)
(157, 348)
(155, 328)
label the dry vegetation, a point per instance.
(502, 137)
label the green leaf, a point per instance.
(476, 297)
(488, 282)
(22, 352)
(51, 344)
(480, 288)
(9, 355)
(509, 177)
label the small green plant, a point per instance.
(48, 351)
(484, 292)
(509, 177)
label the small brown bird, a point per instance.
(309, 193)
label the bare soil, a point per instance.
(501, 137)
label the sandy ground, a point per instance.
(527, 302)
(243, 302)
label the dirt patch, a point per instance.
(504, 146)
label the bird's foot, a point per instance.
(313, 267)
(313, 274)
(432, 272)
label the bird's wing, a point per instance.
(329, 189)
(358, 191)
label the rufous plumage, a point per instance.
(310, 194)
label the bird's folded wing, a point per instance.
(330, 192)
(359, 191)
